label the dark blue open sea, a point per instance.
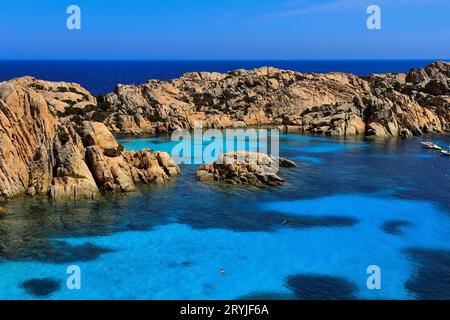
(349, 205)
(100, 77)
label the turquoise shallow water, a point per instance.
(349, 205)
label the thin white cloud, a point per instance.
(345, 5)
(318, 8)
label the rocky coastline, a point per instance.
(335, 104)
(45, 153)
(57, 139)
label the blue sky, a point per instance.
(224, 29)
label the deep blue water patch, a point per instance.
(395, 227)
(256, 221)
(304, 221)
(431, 280)
(41, 288)
(61, 252)
(187, 264)
(321, 287)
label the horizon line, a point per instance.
(237, 60)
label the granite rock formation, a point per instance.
(246, 168)
(337, 104)
(44, 151)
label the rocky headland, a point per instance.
(336, 104)
(57, 139)
(43, 152)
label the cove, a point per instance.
(378, 204)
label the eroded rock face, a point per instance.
(44, 151)
(247, 168)
(72, 178)
(335, 104)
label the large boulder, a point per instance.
(72, 178)
(117, 170)
(144, 167)
(167, 163)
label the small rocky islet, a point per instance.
(245, 168)
(57, 139)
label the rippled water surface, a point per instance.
(350, 204)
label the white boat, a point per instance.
(431, 145)
(445, 152)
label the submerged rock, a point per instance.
(431, 279)
(255, 222)
(321, 287)
(395, 227)
(41, 288)
(242, 167)
(42, 250)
